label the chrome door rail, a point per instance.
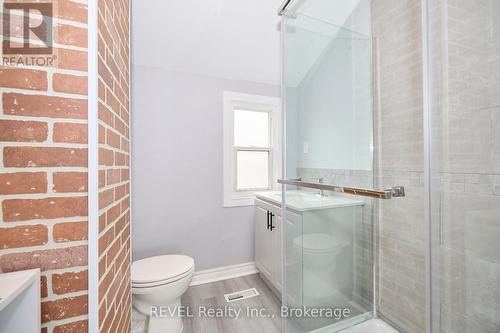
(284, 6)
(394, 192)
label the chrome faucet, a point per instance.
(321, 180)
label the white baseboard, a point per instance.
(223, 273)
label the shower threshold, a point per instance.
(358, 324)
(371, 326)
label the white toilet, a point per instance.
(321, 256)
(157, 286)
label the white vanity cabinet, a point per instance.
(268, 242)
(315, 227)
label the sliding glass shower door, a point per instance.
(328, 239)
(464, 72)
(417, 104)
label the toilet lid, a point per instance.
(160, 268)
(317, 242)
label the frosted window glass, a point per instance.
(251, 129)
(253, 170)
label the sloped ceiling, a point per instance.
(232, 39)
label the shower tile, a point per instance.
(401, 233)
(469, 287)
(453, 321)
(465, 145)
(481, 184)
(470, 225)
(495, 155)
(496, 185)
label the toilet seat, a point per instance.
(161, 283)
(160, 270)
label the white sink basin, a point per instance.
(305, 201)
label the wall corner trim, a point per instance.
(93, 171)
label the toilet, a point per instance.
(157, 286)
(320, 251)
(322, 260)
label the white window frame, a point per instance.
(238, 101)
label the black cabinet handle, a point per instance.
(268, 224)
(271, 224)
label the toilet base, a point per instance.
(165, 325)
(166, 321)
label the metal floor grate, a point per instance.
(241, 295)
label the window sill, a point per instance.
(239, 202)
(247, 200)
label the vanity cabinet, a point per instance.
(268, 241)
(318, 232)
(268, 226)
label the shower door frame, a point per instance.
(428, 166)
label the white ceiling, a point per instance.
(232, 39)
(336, 12)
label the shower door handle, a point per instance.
(394, 192)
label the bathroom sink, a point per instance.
(306, 201)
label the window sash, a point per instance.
(269, 168)
(269, 125)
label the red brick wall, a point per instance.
(43, 171)
(114, 161)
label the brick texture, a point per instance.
(67, 182)
(22, 236)
(69, 282)
(43, 171)
(114, 159)
(72, 84)
(48, 208)
(16, 104)
(23, 78)
(74, 327)
(24, 157)
(70, 231)
(23, 131)
(23, 183)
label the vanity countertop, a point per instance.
(306, 201)
(13, 284)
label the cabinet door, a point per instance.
(263, 243)
(277, 241)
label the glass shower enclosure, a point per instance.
(391, 182)
(328, 246)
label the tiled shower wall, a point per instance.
(43, 169)
(465, 49)
(114, 167)
(399, 155)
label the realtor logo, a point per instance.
(29, 22)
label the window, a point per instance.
(252, 146)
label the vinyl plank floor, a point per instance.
(211, 296)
